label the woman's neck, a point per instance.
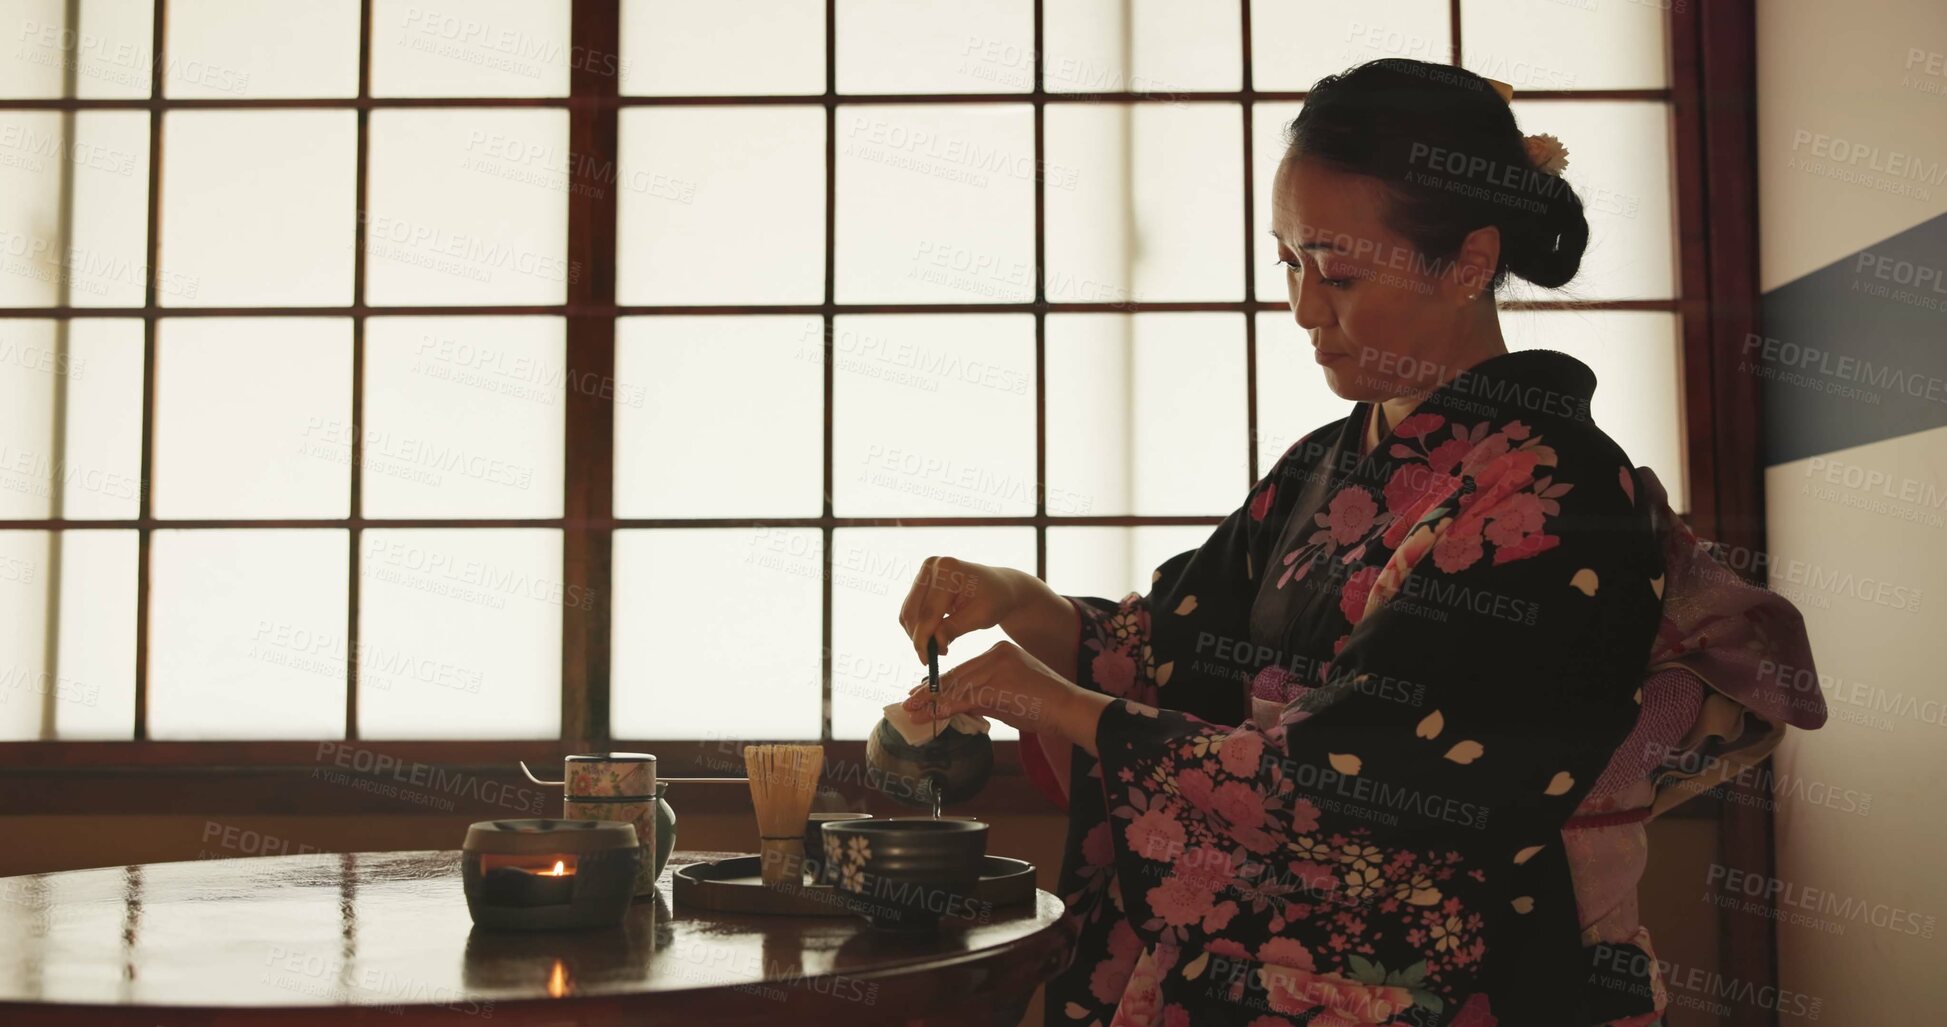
(1483, 341)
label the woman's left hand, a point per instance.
(1008, 684)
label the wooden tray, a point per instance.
(733, 886)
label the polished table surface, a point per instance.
(385, 937)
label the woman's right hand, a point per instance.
(952, 597)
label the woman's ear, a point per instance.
(1474, 264)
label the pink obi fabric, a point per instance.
(1713, 704)
(1608, 847)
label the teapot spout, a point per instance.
(536, 780)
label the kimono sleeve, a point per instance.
(1393, 845)
(1115, 646)
(1159, 646)
(1122, 649)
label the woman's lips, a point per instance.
(1325, 357)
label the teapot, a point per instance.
(952, 767)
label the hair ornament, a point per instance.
(1546, 153)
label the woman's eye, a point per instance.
(1335, 283)
(1340, 282)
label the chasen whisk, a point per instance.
(783, 779)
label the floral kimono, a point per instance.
(1451, 631)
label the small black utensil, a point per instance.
(936, 784)
(933, 681)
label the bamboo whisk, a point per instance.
(783, 779)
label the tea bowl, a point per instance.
(907, 873)
(814, 842)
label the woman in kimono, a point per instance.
(1320, 774)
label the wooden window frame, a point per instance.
(1712, 78)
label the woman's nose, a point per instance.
(1309, 305)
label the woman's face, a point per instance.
(1385, 322)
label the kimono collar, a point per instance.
(1532, 383)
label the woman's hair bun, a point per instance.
(1549, 252)
(1452, 159)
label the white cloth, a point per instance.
(920, 732)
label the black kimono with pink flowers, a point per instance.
(1456, 625)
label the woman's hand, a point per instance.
(951, 597)
(1008, 684)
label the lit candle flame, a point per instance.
(560, 870)
(558, 978)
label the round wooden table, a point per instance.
(385, 938)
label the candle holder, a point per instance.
(541, 875)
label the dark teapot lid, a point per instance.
(611, 757)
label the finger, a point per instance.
(925, 607)
(955, 688)
(921, 712)
(936, 599)
(922, 696)
(909, 610)
(959, 583)
(948, 630)
(924, 712)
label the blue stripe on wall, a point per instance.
(1856, 351)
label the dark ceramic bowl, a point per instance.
(908, 873)
(814, 842)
